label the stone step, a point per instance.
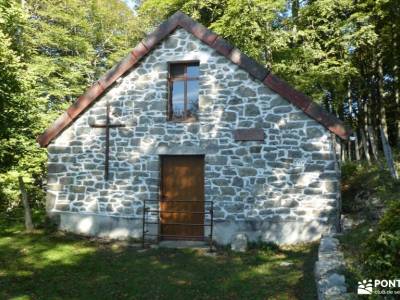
(183, 244)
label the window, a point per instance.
(183, 103)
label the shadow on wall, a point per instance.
(110, 227)
(279, 232)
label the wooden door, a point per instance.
(182, 198)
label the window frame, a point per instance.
(185, 79)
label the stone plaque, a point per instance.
(249, 134)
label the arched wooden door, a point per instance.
(182, 197)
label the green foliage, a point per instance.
(252, 26)
(75, 44)
(382, 253)
(50, 52)
(372, 249)
(315, 58)
(371, 182)
(352, 243)
(249, 26)
(19, 118)
(310, 51)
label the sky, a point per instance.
(133, 4)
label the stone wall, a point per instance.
(283, 189)
(329, 269)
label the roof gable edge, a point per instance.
(217, 43)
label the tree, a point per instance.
(50, 52)
(19, 156)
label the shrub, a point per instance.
(382, 253)
(366, 188)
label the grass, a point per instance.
(352, 244)
(43, 265)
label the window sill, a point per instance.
(188, 120)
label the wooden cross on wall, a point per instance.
(107, 126)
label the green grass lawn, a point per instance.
(44, 265)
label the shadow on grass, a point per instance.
(57, 266)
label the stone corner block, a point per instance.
(239, 242)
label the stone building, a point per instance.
(185, 122)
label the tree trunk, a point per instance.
(349, 149)
(27, 209)
(368, 128)
(336, 151)
(342, 152)
(295, 8)
(362, 121)
(382, 110)
(396, 87)
(350, 105)
(372, 139)
(356, 146)
(365, 146)
(374, 105)
(338, 166)
(388, 154)
(397, 100)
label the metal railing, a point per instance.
(145, 221)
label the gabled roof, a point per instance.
(179, 19)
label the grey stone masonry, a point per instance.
(329, 271)
(289, 178)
